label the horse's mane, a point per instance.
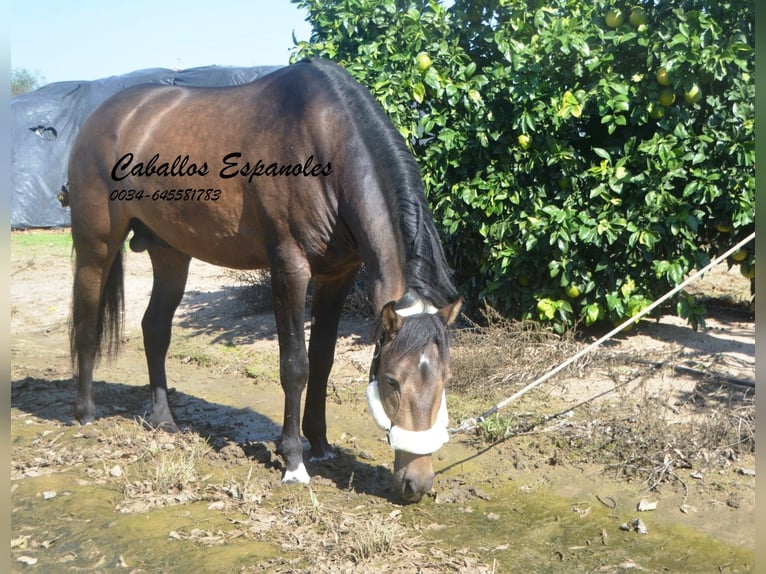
(427, 271)
(419, 331)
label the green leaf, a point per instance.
(602, 153)
(546, 309)
(593, 313)
(432, 79)
(418, 92)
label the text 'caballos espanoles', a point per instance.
(232, 165)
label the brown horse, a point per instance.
(300, 172)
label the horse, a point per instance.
(300, 172)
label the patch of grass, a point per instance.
(227, 357)
(499, 427)
(190, 348)
(170, 463)
(176, 469)
(30, 245)
(56, 238)
(246, 493)
(253, 372)
(357, 537)
(263, 367)
(301, 506)
(374, 538)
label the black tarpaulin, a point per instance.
(44, 124)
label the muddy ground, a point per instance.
(558, 495)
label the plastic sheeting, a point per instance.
(44, 124)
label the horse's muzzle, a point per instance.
(413, 476)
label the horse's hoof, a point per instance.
(84, 417)
(168, 427)
(299, 475)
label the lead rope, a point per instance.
(470, 424)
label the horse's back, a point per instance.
(303, 83)
(224, 173)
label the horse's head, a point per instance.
(406, 394)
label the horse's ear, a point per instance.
(450, 312)
(391, 320)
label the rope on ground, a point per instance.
(471, 423)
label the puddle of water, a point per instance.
(79, 530)
(544, 533)
(552, 522)
(544, 521)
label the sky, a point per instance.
(65, 40)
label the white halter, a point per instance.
(419, 307)
(414, 442)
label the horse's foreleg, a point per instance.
(328, 296)
(170, 269)
(289, 282)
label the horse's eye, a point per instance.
(391, 382)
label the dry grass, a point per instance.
(634, 432)
(258, 297)
(359, 537)
(653, 437)
(246, 494)
(169, 464)
(500, 354)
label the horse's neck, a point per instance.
(379, 240)
(386, 271)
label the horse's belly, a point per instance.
(217, 231)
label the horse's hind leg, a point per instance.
(96, 308)
(170, 269)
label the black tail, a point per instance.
(110, 314)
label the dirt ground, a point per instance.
(117, 495)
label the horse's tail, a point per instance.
(109, 323)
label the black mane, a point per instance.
(419, 331)
(427, 271)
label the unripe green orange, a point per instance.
(667, 97)
(637, 16)
(740, 255)
(693, 94)
(572, 292)
(423, 61)
(614, 18)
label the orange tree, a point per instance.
(581, 157)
